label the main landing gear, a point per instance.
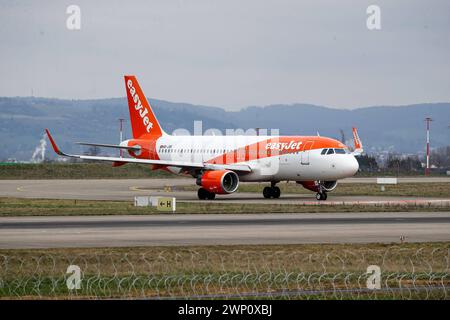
(204, 194)
(271, 192)
(321, 195)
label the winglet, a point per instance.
(357, 141)
(55, 147)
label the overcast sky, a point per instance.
(229, 53)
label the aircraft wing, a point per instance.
(169, 163)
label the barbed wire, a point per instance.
(216, 272)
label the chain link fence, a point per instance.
(290, 272)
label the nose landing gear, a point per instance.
(321, 196)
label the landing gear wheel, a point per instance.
(276, 192)
(271, 192)
(202, 194)
(321, 196)
(267, 192)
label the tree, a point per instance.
(367, 163)
(403, 164)
(440, 157)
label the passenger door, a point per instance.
(305, 152)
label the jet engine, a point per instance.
(219, 181)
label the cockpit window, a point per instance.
(339, 151)
(330, 151)
(324, 151)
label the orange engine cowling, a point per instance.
(219, 181)
(314, 185)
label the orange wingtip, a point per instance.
(55, 147)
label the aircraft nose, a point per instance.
(352, 166)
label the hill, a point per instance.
(400, 128)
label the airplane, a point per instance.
(219, 163)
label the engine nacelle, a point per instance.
(314, 185)
(219, 181)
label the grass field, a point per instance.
(46, 207)
(80, 171)
(408, 270)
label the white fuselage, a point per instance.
(303, 162)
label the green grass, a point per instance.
(80, 171)
(49, 207)
(227, 270)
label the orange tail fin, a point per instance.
(143, 120)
